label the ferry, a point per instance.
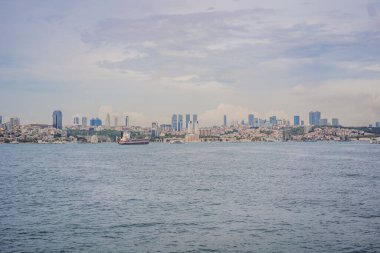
(125, 140)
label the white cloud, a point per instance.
(356, 102)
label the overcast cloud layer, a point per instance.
(149, 59)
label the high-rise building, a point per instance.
(155, 131)
(126, 121)
(175, 122)
(314, 118)
(296, 121)
(76, 120)
(187, 120)
(323, 122)
(84, 121)
(335, 122)
(116, 121)
(180, 122)
(108, 120)
(273, 120)
(195, 120)
(1, 119)
(14, 122)
(95, 122)
(251, 120)
(57, 119)
(225, 120)
(377, 124)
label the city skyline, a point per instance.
(149, 59)
(178, 123)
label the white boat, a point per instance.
(177, 141)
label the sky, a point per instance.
(151, 58)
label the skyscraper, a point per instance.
(116, 121)
(14, 121)
(251, 120)
(180, 122)
(126, 121)
(296, 121)
(175, 122)
(335, 122)
(76, 120)
(95, 122)
(1, 119)
(187, 120)
(84, 121)
(377, 124)
(195, 120)
(273, 120)
(57, 119)
(225, 120)
(323, 122)
(314, 118)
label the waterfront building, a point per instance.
(95, 122)
(335, 122)
(57, 119)
(116, 121)
(180, 122)
(126, 121)
(314, 118)
(175, 122)
(1, 119)
(225, 120)
(195, 120)
(273, 120)
(296, 121)
(302, 122)
(187, 120)
(323, 122)
(377, 124)
(204, 132)
(251, 120)
(76, 120)
(84, 121)
(155, 130)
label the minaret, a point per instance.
(190, 128)
(196, 128)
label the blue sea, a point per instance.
(201, 197)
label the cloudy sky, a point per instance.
(153, 58)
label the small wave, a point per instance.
(352, 175)
(138, 225)
(205, 190)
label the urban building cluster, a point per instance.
(184, 128)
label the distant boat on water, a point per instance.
(177, 141)
(125, 140)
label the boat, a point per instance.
(125, 140)
(177, 141)
(14, 142)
